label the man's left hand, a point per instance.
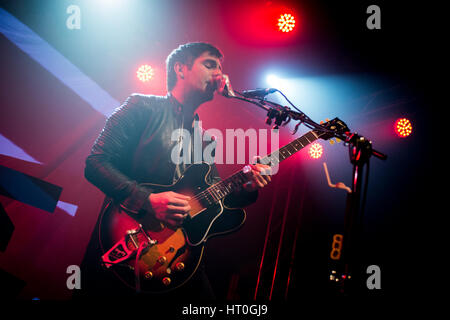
(258, 175)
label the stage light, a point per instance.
(273, 81)
(316, 150)
(110, 3)
(145, 73)
(286, 22)
(403, 127)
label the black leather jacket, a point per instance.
(135, 147)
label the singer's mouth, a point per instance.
(211, 85)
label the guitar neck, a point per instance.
(288, 150)
(234, 182)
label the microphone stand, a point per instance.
(360, 151)
(351, 266)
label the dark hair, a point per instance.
(186, 54)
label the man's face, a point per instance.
(203, 76)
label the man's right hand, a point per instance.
(170, 207)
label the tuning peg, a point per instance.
(327, 120)
(321, 122)
(331, 141)
(338, 140)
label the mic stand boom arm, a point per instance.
(283, 115)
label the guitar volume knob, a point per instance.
(148, 275)
(166, 281)
(162, 259)
(179, 266)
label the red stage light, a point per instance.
(315, 151)
(145, 73)
(403, 127)
(286, 22)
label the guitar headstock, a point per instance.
(334, 128)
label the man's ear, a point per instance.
(179, 69)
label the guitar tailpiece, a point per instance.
(121, 251)
(118, 253)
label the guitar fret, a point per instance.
(204, 196)
(300, 143)
(310, 136)
(211, 194)
(291, 149)
(313, 134)
(217, 193)
(219, 190)
(227, 187)
(223, 188)
(304, 143)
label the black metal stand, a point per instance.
(360, 151)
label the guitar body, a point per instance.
(157, 257)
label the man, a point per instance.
(135, 147)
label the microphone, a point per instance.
(224, 87)
(258, 93)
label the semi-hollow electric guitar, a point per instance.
(152, 257)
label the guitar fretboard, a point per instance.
(234, 182)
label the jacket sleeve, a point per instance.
(110, 157)
(237, 199)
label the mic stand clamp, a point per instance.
(360, 148)
(281, 117)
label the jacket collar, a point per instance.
(177, 107)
